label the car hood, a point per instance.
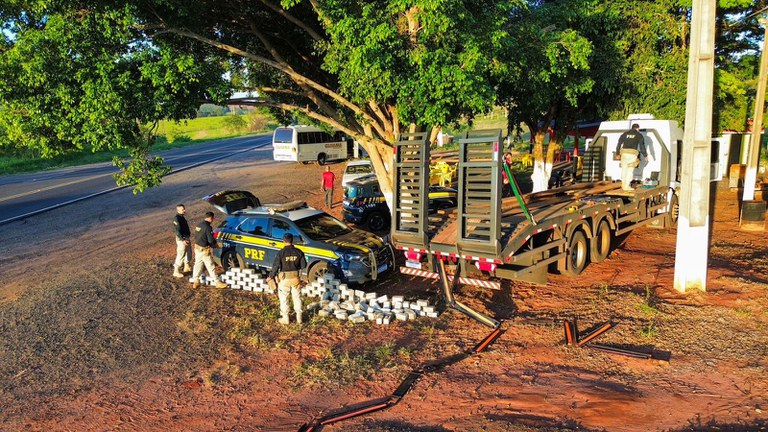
(231, 201)
(357, 240)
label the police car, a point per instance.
(252, 234)
(364, 203)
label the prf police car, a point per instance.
(364, 203)
(252, 234)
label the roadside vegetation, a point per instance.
(170, 135)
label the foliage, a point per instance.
(75, 78)
(366, 68)
(561, 64)
(211, 110)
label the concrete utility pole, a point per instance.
(756, 210)
(692, 250)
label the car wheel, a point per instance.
(231, 260)
(317, 271)
(377, 222)
(321, 159)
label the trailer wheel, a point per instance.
(578, 250)
(674, 211)
(600, 245)
(321, 159)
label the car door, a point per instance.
(253, 241)
(278, 228)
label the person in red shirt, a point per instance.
(327, 186)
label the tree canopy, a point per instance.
(88, 74)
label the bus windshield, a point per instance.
(283, 135)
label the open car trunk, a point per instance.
(229, 202)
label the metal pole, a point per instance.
(750, 177)
(692, 252)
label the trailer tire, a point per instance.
(322, 159)
(674, 211)
(578, 250)
(600, 244)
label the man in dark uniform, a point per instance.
(288, 263)
(631, 144)
(204, 244)
(183, 247)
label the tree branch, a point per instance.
(282, 12)
(298, 78)
(381, 115)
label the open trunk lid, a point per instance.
(230, 201)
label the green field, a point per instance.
(170, 135)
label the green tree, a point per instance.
(76, 78)
(560, 65)
(367, 68)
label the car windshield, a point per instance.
(351, 191)
(359, 169)
(322, 226)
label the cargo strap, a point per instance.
(516, 191)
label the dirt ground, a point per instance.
(97, 335)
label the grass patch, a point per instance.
(341, 367)
(649, 331)
(220, 373)
(649, 305)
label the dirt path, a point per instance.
(97, 336)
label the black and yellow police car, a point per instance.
(252, 234)
(364, 203)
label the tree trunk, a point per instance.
(381, 156)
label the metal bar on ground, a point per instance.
(570, 335)
(597, 332)
(620, 351)
(480, 347)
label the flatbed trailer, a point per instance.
(487, 237)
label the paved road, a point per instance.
(27, 194)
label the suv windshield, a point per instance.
(322, 227)
(351, 192)
(359, 169)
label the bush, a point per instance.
(234, 123)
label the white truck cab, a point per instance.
(663, 142)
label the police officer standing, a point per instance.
(183, 247)
(631, 144)
(204, 244)
(288, 263)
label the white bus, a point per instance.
(307, 144)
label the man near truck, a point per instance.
(631, 144)
(288, 263)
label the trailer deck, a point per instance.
(514, 238)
